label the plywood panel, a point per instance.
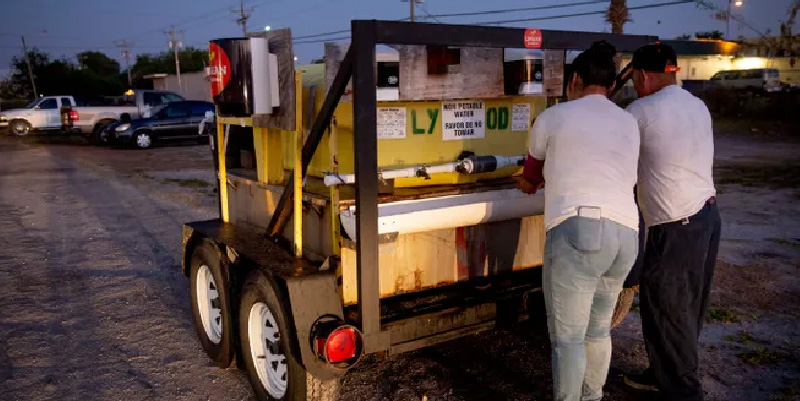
(479, 74)
(280, 43)
(413, 262)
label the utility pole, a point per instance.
(126, 52)
(30, 69)
(411, 8)
(175, 44)
(243, 15)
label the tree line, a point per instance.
(92, 73)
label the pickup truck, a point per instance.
(43, 114)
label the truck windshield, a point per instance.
(34, 103)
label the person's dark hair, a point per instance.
(595, 65)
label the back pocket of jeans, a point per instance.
(587, 234)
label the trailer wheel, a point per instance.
(274, 372)
(213, 318)
(623, 307)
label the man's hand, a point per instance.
(527, 187)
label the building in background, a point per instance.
(194, 85)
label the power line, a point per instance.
(654, 5)
(467, 14)
(544, 18)
(512, 10)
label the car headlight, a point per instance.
(122, 127)
(3, 118)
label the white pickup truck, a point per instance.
(44, 113)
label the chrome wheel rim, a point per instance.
(208, 303)
(268, 360)
(143, 140)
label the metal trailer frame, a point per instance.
(359, 63)
(401, 334)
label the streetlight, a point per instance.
(737, 4)
(267, 28)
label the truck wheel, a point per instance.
(211, 304)
(274, 372)
(623, 307)
(97, 132)
(142, 139)
(20, 127)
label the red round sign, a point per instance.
(220, 68)
(533, 38)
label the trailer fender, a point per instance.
(310, 297)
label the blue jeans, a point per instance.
(586, 261)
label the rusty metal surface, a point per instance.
(254, 246)
(310, 297)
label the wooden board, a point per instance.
(553, 74)
(479, 74)
(334, 54)
(418, 261)
(280, 43)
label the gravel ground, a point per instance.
(93, 305)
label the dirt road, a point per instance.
(93, 305)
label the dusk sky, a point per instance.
(64, 28)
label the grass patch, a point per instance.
(716, 315)
(788, 394)
(760, 356)
(745, 338)
(187, 183)
(769, 176)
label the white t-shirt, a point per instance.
(676, 157)
(590, 148)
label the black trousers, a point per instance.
(675, 284)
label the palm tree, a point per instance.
(617, 15)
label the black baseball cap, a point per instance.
(655, 58)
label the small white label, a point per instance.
(463, 120)
(521, 117)
(391, 122)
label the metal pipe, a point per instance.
(470, 165)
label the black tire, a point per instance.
(300, 386)
(142, 144)
(97, 133)
(19, 127)
(221, 352)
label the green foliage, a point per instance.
(95, 74)
(710, 35)
(191, 59)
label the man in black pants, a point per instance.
(676, 197)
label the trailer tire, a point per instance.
(210, 296)
(280, 376)
(623, 307)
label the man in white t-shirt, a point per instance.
(587, 149)
(676, 197)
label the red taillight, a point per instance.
(338, 344)
(73, 114)
(341, 345)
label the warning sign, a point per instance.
(391, 122)
(533, 38)
(521, 117)
(463, 120)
